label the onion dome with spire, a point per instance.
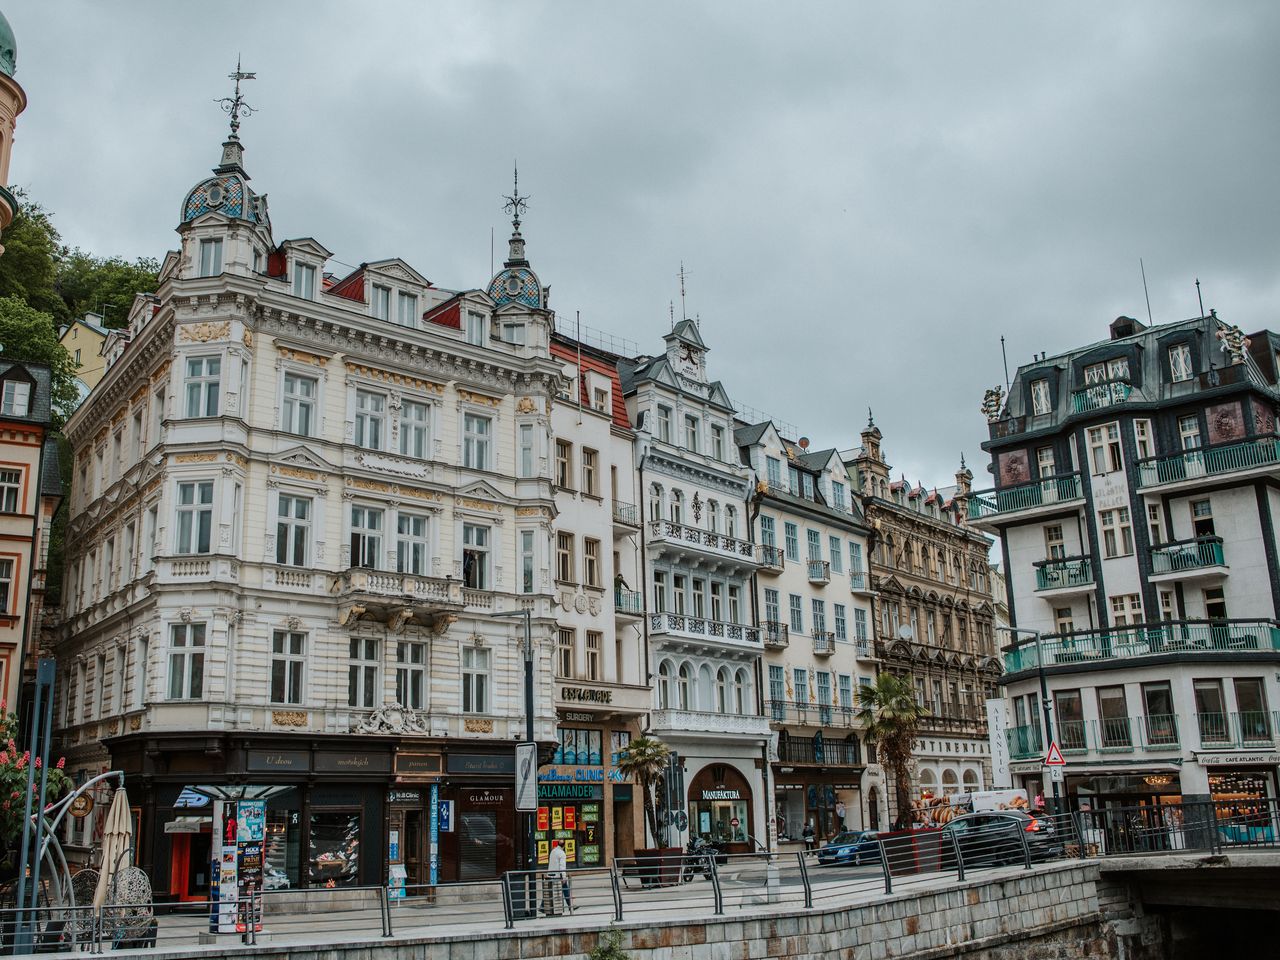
(516, 282)
(227, 191)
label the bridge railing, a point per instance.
(1207, 825)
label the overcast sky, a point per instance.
(865, 197)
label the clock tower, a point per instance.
(686, 351)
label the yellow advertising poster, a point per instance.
(570, 850)
(544, 851)
(557, 818)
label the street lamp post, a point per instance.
(531, 854)
(1045, 708)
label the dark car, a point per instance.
(995, 837)
(852, 847)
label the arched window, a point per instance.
(706, 693)
(950, 782)
(928, 782)
(713, 515)
(677, 506)
(684, 684)
(730, 521)
(741, 692)
(664, 685)
(724, 690)
(655, 501)
(971, 781)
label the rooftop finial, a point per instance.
(515, 203)
(235, 105)
(871, 420)
(684, 314)
(963, 466)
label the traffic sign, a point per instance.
(1055, 775)
(1054, 757)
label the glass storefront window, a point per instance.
(713, 820)
(580, 747)
(282, 850)
(334, 848)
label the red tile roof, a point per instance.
(568, 351)
(447, 314)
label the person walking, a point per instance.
(558, 872)
(807, 834)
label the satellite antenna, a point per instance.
(804, 443)
(905, 632)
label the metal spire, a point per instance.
(684, 314)
(235, 105)
(515, 204)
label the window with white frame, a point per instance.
(298, 404)
(837, 555)
(730, 520)
(735, 603)
(186, 661)
(203, 386)
(792, 537)
(157, 404)
(293, 530)
(1189, 432)
(1104, 448)
(476, 438)
(1117, 532)
(659, 591)
(838, 499)
(819, 615)
(1142, 438)
(411, 673)
(565, 642)
(677, 506)
(380, 302)
(717, 441)
(800, 681)
(855, 557)
(771, 610)
(1126, 610)
(406, 309)
(600, 400)
(595, 641)
(1044, 462)
(477, 328)
(475, 680)
(590, 472)
(1040, 403)
(591, 562)
(860, 623)
(842, 624)
(412, 544)
(15, 400)
(513, 332)
(7, 602)
(195, 517)
(1054, 544)
(366, 537)
(476, 556)
(564, 464)
(564, 557)
(797, 612)
(210, 258)
(371, 413)
(415, 429)
(1154, 526)
(526, 561)
(664, 423)
(1180, 362)
(304, 281)
(10, 490)
(814, 541)
(525, 458)
(288, 653)
(362, 673)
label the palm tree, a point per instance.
(889, 714)
(645, 761)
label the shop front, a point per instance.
(827, 799)
(721, 808)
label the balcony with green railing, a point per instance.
(1118, 734)
(1045, 492)
(1064, 574)
(1257, 454)
(628, 603)
(1192, 638)
(1099, 396)
(1025, 742)
(1176, 560)
(1240, 730)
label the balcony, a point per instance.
(1255, 457)
(678, 539)
(1234, 731)
(1025, 742)
(626, 517)
(399, 598)
(1107, 735)
(628, 603)
(772, 559)
(1099, 396)
(824, 643)
(1189, 638)
(1197, 559)
(801, 713)
(864, 650)
(1048, 493)
(819, 571)
(681, 627)
(820, 751)
(1064, 577)
(673, 723)
(775, 634)
(859, 582)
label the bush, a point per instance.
(609, 947)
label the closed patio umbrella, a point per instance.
(117, 841)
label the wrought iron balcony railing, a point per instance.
(1064, 573)
(1187, 555)
(1184, 637)
(1214, 461)
(1047, 491)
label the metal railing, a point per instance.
(819, 571)
(670, 531)
(702, 627)
(1066, 572)
(858, 581)
(1143, 640)
(627, 514)
(775, 633)
(1098, 396)
(824, 643)
(629, 602)
(805, 714)
(1249, 728)
(772, 559)
(1209, 461)
(1187, 555)
(1047, 491)
(845, 753)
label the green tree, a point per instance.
(29, 267)
(29, 336)
(890, 716)
(104, 285)
(644, 762)
(13, 784)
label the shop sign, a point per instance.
(485, 798)
(586, 695)
(81, 806)
(569, 791)
(185, 825)
(412, 797)
(1025, 767)
(1268, 757)
(582, 775)
(433, 837)
(418, 764)
(720, 794)
(503, 764)
(575, 716)
(353, 763)
(270, 761)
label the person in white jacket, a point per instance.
(558, 872)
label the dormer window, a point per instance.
(304, 281)
(513, 333)
(476, 328)
(380, 303)
(210, 258)
(406, 309)
(1180, 362)
(1040, 404)
(16, 400)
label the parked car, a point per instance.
(995, 837)
(851, 847)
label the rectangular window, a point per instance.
(774, 468)
(1251, 710)
(691, 433)
(366, 537)
(859, 623)
(1166, 605)
(819, 615)
(514, 333)
(1063, 620)
(800, 681)
(1126, 609)
(477, 329)
(16, 399)
(814, 543)
(412, 545)
(371, 413)
(406, 309)
(158, 433)
(1054, 545)
(1142, 438)
(298, 405)
(1104, 448)
(526, 561)
(210, 258)
(1180, 362)
(777, 688)
(837, 555)
(735, 608)
(664, 423)
(846, 692)
(564, 464)
(591, 562)
(411, 673)
(564, 557)
(842, 627)
(855, 558)
(806, 486)
(717, 442)
(1044, 461)
(203, 386)
(1153, 524)
(1202, 518)
(10, 488)
(415, 429)
(293, 530)
(1161, 724)
(135, 438)
(1211, 712)
(195, 517)
(1113, 717)
(768, 532)
(475, 680)
(7, 603)
(288, 649)
(476, 433)
(590, 471)
(792, 533)
(594, 642)
(771, 605)
(600, 400)
(659, 592)
(304, 281)
(797, 613)
(362, 673)
(186, 661)
(1189, 432)
(380, 303)
(525, 453)
(565, 642)
(476, 556)
(679, 587)
(1040, 403)
(1117, 533)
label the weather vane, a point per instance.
(515, 204)
(235, 105)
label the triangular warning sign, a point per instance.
(1054, 756)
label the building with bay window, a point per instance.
(1135, 495)
(300, 499)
